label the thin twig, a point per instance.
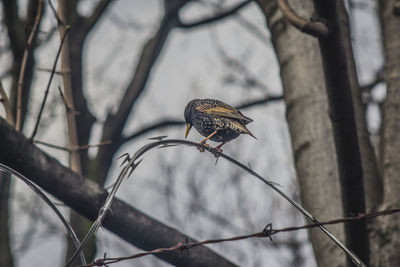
(49, 83)
(6, 104)
(211, 19)
(98, 11)
(72, 125)
(68, 108)
(268, 231)
(314, 28)
(54, 12)
(72, 148)
(50, 70)
(23, 65)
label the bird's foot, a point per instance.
(217, 153)
(219, 150)
(201, 148)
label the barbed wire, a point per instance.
(268, 232)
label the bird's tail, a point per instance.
(242, 128)
(251, 134)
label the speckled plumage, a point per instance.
(210, 115)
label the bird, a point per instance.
(216, 121)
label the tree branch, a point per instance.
(46, 93)
(99, 10)
(314, 28)
(28, 49)
(6, 103)
(86, 197)
(73, 137)
(219, 16)
(15, 27)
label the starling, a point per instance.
(215, 120)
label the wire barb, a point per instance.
(133, 167)
(126, 159)
(268, 231)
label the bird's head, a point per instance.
(188, 116)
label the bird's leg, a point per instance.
(205, 140)
(218, 148)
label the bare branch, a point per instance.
(23, 64)
(15, 27)
(71, 148)
(53, 71)
(267, 99)
(54, 12)
(97, 13)
(67, 108)
(314, 28)
(221, 15)
(156, 126)
(75, 156)
(6, 104)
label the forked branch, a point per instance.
(312, 27)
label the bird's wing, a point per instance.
(241, 128)
(223, 110)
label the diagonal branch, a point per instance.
(75, 156)
(28, 49)
(46, 93)
(156, 126)
(115, 122)
(219, 16)
(6, 103)
(96, 15)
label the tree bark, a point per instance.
(6, 256)
(86, 197)
(372, 180)
(387, 231)
(309, 126)
(335, 61)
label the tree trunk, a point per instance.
(387, 233)
(309, 125)
(6, 257)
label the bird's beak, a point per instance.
(188, 127)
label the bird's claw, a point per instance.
(217, 153)
(201, 148)
(219, 150)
